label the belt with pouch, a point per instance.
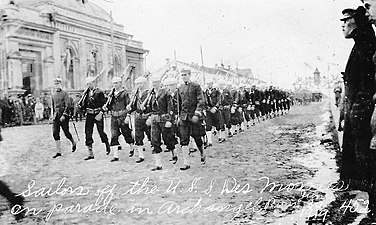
(93, 111)
(119, 113)
(162, 117)
(142, 115)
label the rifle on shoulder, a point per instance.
(86, 92)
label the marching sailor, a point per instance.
(117, 103)
(61, 105)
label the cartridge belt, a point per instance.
(93, 111)
(119, 113)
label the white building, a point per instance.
(203, 74)
(71, 39)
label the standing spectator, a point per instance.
(358, 166)
(18, 111)
(38, 109)
(337, 93)
(29, 109)
(46, 100)
(77, 113)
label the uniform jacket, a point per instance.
(213, 97)
(244, 98)
(236, 97)
(226, 98)
(161, 102)
(120, 101)
(95, 99)
(61, 103)
(140, 100)
(190, 99)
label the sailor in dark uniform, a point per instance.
(139, 105)
(191, 104)
(93, 104)
(162, 119)
(62, 106)
(213, 116)
(117, 103)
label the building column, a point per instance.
(14, 78)
(82, 67)
(48, 68)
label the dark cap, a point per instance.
(348, 14)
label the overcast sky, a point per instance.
(276, 39)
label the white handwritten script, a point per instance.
(229, 197)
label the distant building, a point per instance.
(71, 39)
(215, 74)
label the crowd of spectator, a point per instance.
(27, 110)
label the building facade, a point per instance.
(203, 74)
(70, 39)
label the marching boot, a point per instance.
(174, 158)
(58, 149)
(91, 154)
(158, 162)
(74, 145)
(243, 126)
(131, 150)
(229, 134)
(115, 149)
(202, 154)
(222, 136)
(233, 130)
(192, 146)
(108, 148)
(141, 156)
(209, 136)
(205, 140)
(185, 150)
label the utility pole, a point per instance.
(112, 43)
(202, 64)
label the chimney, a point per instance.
(167, 61)
(216, 65)
(229, 67)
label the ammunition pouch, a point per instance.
(93, 111)
(141, 116)
(119, 113)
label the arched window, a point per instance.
(69, 65)
(95, 63)
(116, 68)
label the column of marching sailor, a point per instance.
(182, 117)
